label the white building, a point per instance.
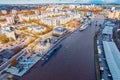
(4, 11)
(36, 28)
(14, 11)
(3, 24)
(37, 12)
(28, 17)
(20, 17)
(10, 19)
(50, 21)
(64, 19)
(72, 6)
(9, 32)
(59, 30)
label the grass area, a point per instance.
(96, 57)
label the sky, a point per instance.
(56, 1)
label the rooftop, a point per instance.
(112, 55)
(108, 30)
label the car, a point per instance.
(109, 76)
(102, 69)
(42, 59)
(58, 31)
(97, 41)
(99, 50)
(102, 79)
(99, 59)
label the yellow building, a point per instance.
(114, 15)
(117, 15)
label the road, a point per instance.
(4, 65)
(104, 74)
(73, 61)
(103, 63)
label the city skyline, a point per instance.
(59, 40)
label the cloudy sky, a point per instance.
(55, 1)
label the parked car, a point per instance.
(99, 59)
(102, 69)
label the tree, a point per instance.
(11, 39)
(13, 62)
(3, 38)
(2, 19)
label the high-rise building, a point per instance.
(20, 17)
(9, 32)
(10, 19)
(14, 11)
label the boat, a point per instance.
(83, 27)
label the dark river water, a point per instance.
(73, 61)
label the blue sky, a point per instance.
(56, 1)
